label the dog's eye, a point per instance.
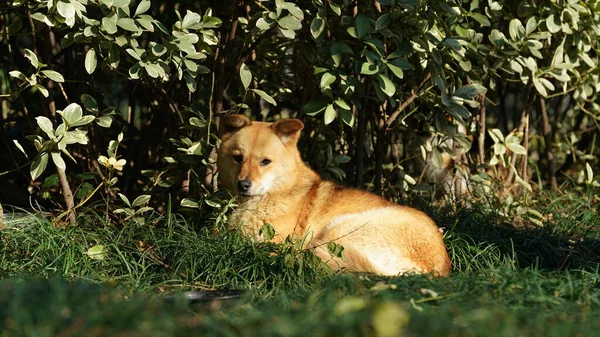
(238, 158)
(265, 162)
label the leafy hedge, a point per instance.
(122, 96)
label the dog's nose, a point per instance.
(244, 185)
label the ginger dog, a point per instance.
(260, 164)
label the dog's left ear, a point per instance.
(288, 130)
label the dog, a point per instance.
(261, 165)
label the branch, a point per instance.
(406, 103)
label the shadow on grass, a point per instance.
(557, 245)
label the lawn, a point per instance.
(517, 275)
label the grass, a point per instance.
(509, 280)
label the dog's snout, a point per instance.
(244, 185)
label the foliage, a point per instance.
(461, 94)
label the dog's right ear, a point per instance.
(232, 124)
(288, 130)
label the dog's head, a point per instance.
(256, 158)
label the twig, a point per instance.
(407, 102)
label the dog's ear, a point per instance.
(288, 130)
(233, 123)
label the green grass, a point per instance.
(525, 280)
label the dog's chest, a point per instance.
(281, 214)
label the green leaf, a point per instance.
(141, 200)
(347, 117)
(89, 103)
(146, 22)
(46, 125)
(190, 82)
(342, 104)
(190, 20)
(330, 114)
(327, 79)
(107, 3)
(91, 61)
(383, 21)
(58, 161)
(401, 63)
(125, 199)
(121, 3)
(287, 33)
(128, 24)
(104, 121)
(18, 74)
(203, 70)
(496, 135)
(191, 65)
(43, 90)
(337, 250)
(369, 69)
(65, 9)
(482, 19)
(97, 252)
(363, 25)
(109, 25)
(317, 26)
(589, 172)
(469, 91)
(135, 71)
(142, 7)
(411, 5)
(497, 38)
(540, 87)
(212, 203)
(39, 17)
(516, 29)
(335, 8)
(32, 58)
(265, 96)
(159, 49)
(397, 71)
(294, 10)
(340, 48)
(72, 113)
(314, 106)
(83, 121)
(386, 85)
(246, 76)
(290, 22)
(133, 54)
(197, 122)
(39, 165)
(531, 25)
(53, 75)
(553, 23)
(18, 145)
(262, 24)
(153, 70)
(267, 231)
(187, 202)
(516, 148)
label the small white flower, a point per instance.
(112, 162)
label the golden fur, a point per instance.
(260, 163)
